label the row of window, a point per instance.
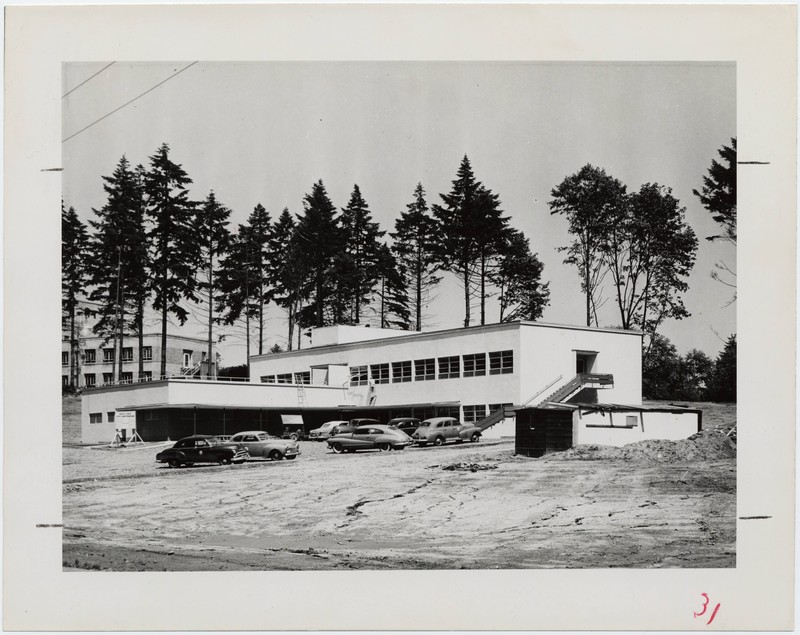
(474, 365)
(109, 355)
(90, 379)
(287, 378)
(97, 417)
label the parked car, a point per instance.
(440, 430)
(351, 425)
(202, 448)
(370, 437)
(259, 443)
(406, 424)
(294, 431)
(325, 430)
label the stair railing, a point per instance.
(546, 388)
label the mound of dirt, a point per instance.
(468, 467)
(708, 445)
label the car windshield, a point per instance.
(213, 441)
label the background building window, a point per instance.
(64, 381)
(89, 356)
(379, 373)
(497, 406)
(95, 417)
(448, 411)
(425, 369)
(284, 378)
(401, 371)
(108, 355)
(127, 378)
(65, 358)
(89, 380)
(127, 354)
(147, 375)
(303, 377)
(474, 413)
(501, 362)
(147, 353)
(358, 376)
(267, 379)
(108, 378)
(111, 416)
(448, 367)
(475, 365)
(187, 359)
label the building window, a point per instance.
(424, 369)
(108, 355)
(111, 416)
(475, 365)
(447, 411)
(496, 406)
(303, 377)
(267, 379)
(501, 362)
(423, 413)
(108, 378)
(89, 380)
(448, 367)
(631, 421)
(64, 381)
(89, 356)
(187, 359)
(127, 378)
(147, 375)
(65, 358)
(474, 413)
(147, 353)
(127, 354)
(358, 376)
(95, 417)
(379, 373)
(401, 371)
(284, 378)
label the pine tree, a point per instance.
(724, 382)
(522, 294)
(214, 238)
(286, 270)
(361, 243)
(175, 249)
(462, 220)
(391, 291)
(319, 239)
(74, 245)
(415, 238)
(118, 257)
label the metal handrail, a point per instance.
(550, 385)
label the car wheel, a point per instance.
(438, 441)
(224, 460)
(337, 448)
(294, 436)
(275, 455)
(384, 447)
(291, 458)
(174, 463)
(475, 437)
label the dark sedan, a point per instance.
(406, 424)
(202, 448)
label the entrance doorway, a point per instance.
(585, 362)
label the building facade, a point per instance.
(467, 373)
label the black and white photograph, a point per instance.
(399, 315)
(463, 315)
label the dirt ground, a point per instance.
(456, 507)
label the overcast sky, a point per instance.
(264, 132)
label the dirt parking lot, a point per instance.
(462, 506)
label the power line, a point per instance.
(128, 103)
(85, 80)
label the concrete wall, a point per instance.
(344, 334)
(105, 400)
(550, 353)
(613, 428)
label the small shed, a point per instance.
(543, 430)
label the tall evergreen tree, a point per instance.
(260, 237)
(392, 293)
(286, 273)
(462, 217)
(415, 238)
(213, 238)
(492, 237)
(589, 199)
(724, 382)
(361, 237)
(74, 245)
(118, 257)
(518, 277)
(175, 249)
(319, 238)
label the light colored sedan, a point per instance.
(325, 430)
(370, 437)
(441, 430)
(259, 443)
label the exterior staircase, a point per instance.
(494, 418)
(190, 371)
(575, 385)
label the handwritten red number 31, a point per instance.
(705, 606)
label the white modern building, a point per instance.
(352, 371)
